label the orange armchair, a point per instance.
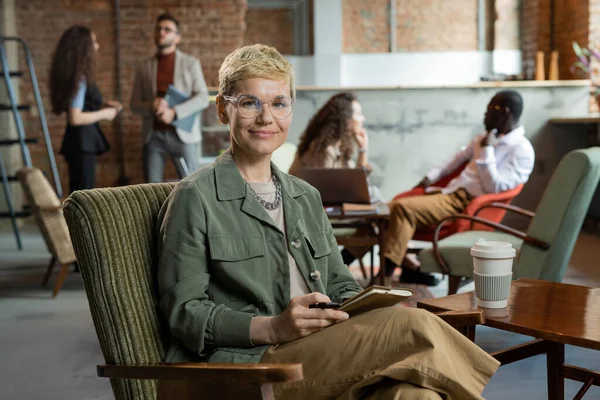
(491, 214)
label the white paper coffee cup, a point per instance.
(492, 272)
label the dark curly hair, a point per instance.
(331, 124)
(73, 60)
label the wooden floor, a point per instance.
(49, 347)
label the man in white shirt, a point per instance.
(498, 160)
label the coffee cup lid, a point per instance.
(492, 249)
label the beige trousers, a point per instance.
(411, 213)
(389, 353)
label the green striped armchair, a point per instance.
(114, 235)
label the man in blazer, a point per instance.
(152, 79)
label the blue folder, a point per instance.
(175, 96)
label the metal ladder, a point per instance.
(22, 141)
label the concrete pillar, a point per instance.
(328, 42)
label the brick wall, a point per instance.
(506, 24)
(365, 26)
(436, 25)
(421, 25)
(573, 21)
(274, 27)
(529, 28)
(210, 30)
(571, 24)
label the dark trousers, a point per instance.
(82, 171)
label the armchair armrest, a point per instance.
(502, 228)
(508, 207)
(204, 372)
(191, 381)
(48, 208)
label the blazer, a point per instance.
(187, 77)
(86, 138)
(222, 260)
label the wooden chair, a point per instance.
(114, 234)
(545, 248)
(47, 210)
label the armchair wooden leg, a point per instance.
(372, 252)
(453, 284)
(188, 390)
(49, 270)
(64, 269)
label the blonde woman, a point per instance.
(244, 249)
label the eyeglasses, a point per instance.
(159, 29)
(250, 106)
(498, 108)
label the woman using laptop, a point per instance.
(333, 135)
(246, 252)
(330, 140)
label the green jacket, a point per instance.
(222, 261)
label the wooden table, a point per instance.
(554, 313)
(591, 120)
(379, 218)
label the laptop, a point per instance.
(339, 185)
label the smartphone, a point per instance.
(325, 305)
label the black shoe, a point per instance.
(347, 257)
(410, 275)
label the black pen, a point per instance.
(325, 305)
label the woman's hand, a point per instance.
(362, 139)
(297, 321)
(114, 104)
(109, 113)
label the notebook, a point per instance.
(174, 97)
(374, 297)
(358, 209)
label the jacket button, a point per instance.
(296, 243)
(315, 275)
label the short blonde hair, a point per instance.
(255, 61)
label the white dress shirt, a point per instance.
(490, 169)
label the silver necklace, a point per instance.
(274, 205)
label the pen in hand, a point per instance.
(325, 305)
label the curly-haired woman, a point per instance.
(73, 90)
(333, 135)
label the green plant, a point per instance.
(587, 64)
